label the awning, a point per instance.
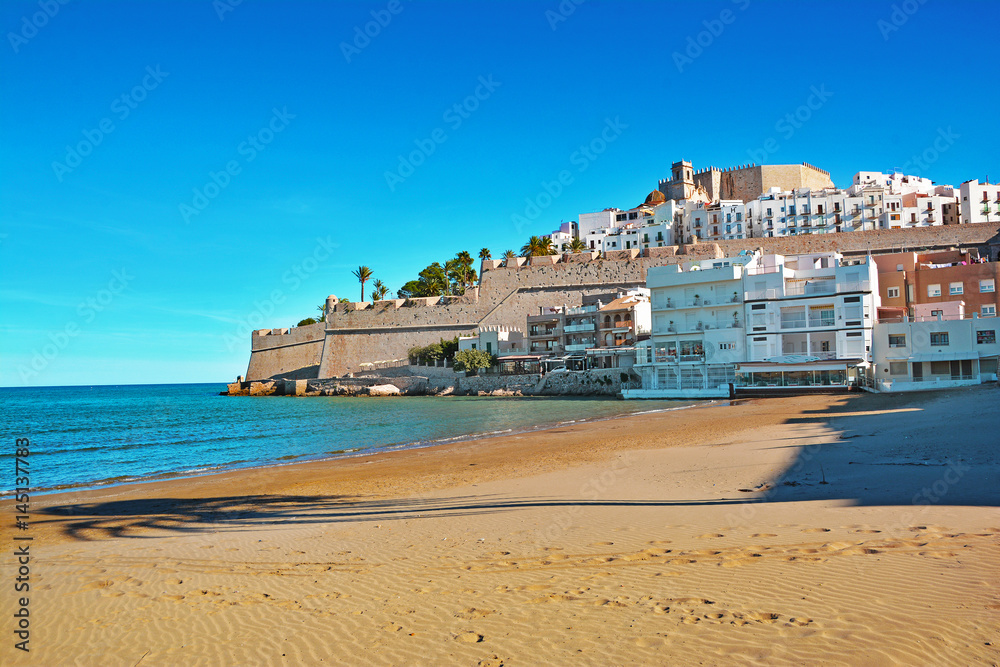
(820, 365)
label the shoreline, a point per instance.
(373, 450)
(781, 531)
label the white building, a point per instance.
(765, 324)
(496, 340)
(916, 354)
(697, 329)
(813, 306)
(980, 202)
(590, 222)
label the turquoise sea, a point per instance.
(93, 436)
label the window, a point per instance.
(933, 290)
(939, 338)
(955, 288)
(940, 368)
(897, 340)
(727, 346)
(987, 285)
(897, 368)
(739, 217)
(854, 334)
(987, 337)
(899, 267)
(988, 311)
(768, 212)
(893, 293)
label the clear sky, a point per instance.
(175, 174)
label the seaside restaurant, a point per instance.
(797, 374)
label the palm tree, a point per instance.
(546, 247)
(363, 274)
(532, 247)
(322, 311)
(507, 256)
(577, 245)
(484, 254)
(538, 245)
(379, 290)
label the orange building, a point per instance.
(956, 280)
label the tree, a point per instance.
(577, 245)
(538, 245)
(379, 290)
(432, 281)
(471, 361)
(322, 309)
(306, 322)
(507, 256)
(363, 274)
(484, 254)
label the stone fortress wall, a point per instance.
(745, 182)
(354, 334)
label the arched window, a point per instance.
(618, 319)
(607, 320)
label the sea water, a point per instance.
(93, 436)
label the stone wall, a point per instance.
(290, 353)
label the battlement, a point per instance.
(815, 168)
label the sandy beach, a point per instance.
(840, 530)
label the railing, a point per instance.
(573, 328)
(822, 321)
(793, 322)
(623, 324)
(578, 347)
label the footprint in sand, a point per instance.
(709, 535)
(764, 535)
(816, 530)
(470, 637)
(472, 612)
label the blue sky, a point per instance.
(175, 174)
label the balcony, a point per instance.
(544, 333)
(793, 322)
(575, 328)
(578, 347)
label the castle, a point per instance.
(358, 334)
(744, 183)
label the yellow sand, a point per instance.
(703, 536)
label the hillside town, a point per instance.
(754, 280)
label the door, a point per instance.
(918, 371)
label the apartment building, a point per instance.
(916, 354)
(809, 322)
(697, 329)
(920, 284)
(980, 202)
(609, 321)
